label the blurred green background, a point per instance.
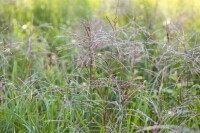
(53, 17)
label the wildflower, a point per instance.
(99, 54)
(166, 22)
(24, 27)
(84, 84)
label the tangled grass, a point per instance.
(121, 79)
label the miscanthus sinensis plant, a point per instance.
(136, 82)
(108, 79)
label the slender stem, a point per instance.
(91, 72)
(87, 27)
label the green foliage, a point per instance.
(57, 75)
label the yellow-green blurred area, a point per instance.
(54, 17)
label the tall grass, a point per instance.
(116, 81)
(100, 78)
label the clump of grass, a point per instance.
(121, 80)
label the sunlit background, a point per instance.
(59, 13)
(52, 18)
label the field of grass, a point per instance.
(70, 66)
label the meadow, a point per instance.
(117, 66)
